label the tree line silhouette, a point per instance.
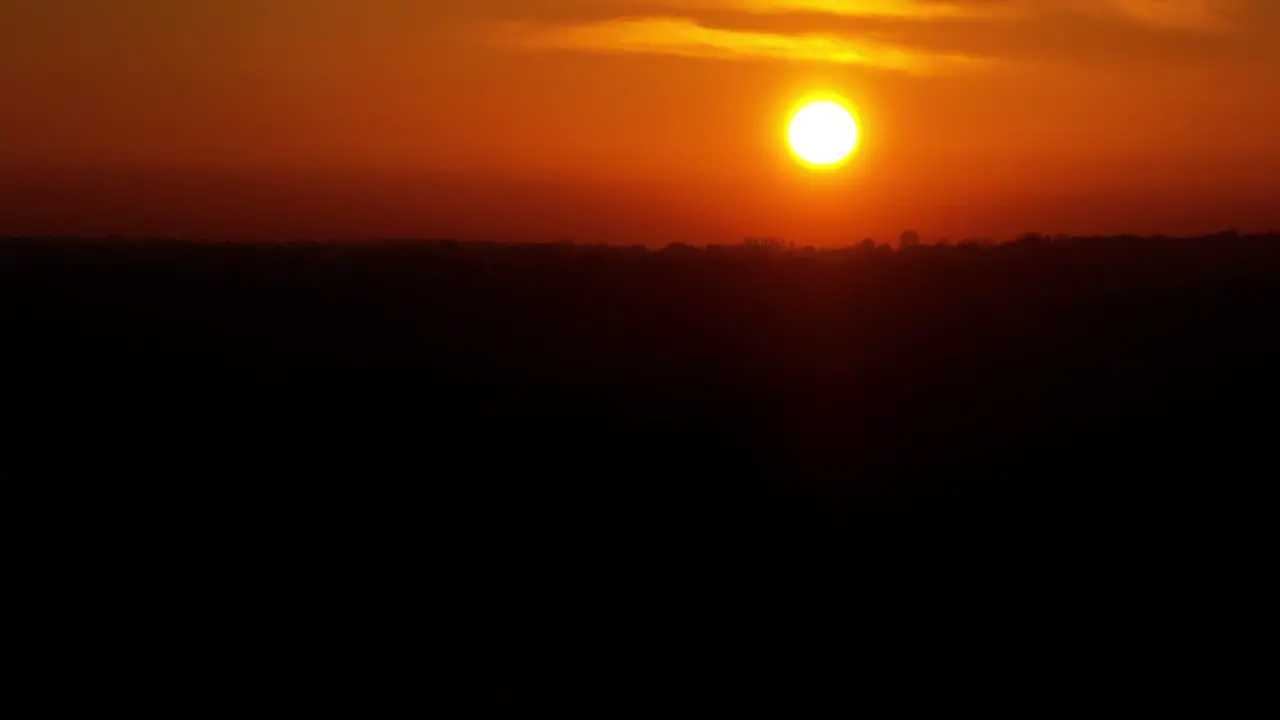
(572, 480)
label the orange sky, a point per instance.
(634, 120)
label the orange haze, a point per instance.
(635, 120)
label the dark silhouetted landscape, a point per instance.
(575, 481)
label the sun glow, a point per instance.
(823, 133)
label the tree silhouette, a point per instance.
(765, 243)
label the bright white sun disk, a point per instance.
(823, 133)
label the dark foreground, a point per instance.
(557, 482)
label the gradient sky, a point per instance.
(632, 120)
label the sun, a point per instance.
(823, 133)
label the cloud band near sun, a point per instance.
(685, 37)
(898, 9)
(1187, 15)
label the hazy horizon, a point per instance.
(257, 205)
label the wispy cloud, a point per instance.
(897, 9)
(689, 34)
(1194, 15)
(687, 38)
